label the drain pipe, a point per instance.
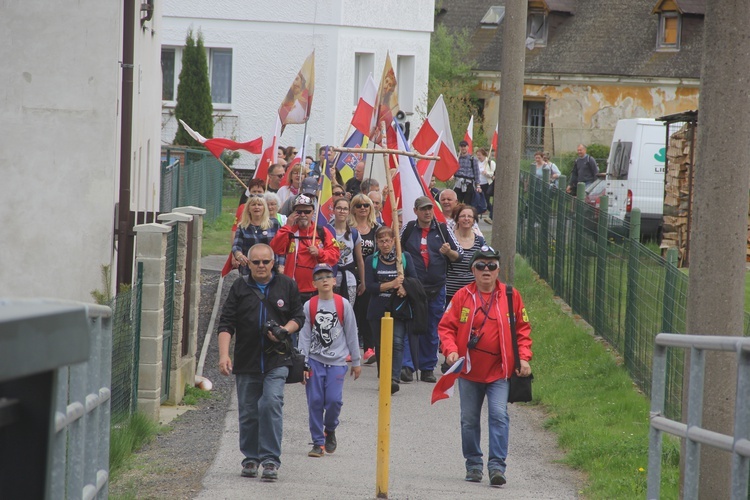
(124, 241)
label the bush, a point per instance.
(599, 152)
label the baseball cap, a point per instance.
(463, 143)
(303, 199)
(485, 252)
(323, 267)
(309, 186)
(423, 201)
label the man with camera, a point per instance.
(261, 310)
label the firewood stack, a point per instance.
(677, 191)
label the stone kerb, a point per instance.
(151, 246)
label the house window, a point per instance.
(219, 75)
(364, 64)
(536, 28)
(669, 31)
(533, 127)
(493, 17)
(405, 79)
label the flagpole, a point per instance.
(385, 150)
(233, 174)
(323, 168)
(394, 205)
(304, 143)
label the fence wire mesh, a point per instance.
(191, 177)
(126, 335)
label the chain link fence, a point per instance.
(126, 335)
(624, 290)
(191, 177)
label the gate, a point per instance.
(170, 275)
(695, 435)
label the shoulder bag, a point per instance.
(520, 387)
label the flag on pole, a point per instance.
(217, 145)
(437, 121)
(469, 135)
(362, 119)
(444, 387)
(494, 139)
(347, 162)
(269, 153)
(295, 108)
(386, 106)
(426, 168)
(326, 194)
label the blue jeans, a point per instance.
(260, 398)
(472, 399)
(399, 330)
(428, 344)
(325, 391)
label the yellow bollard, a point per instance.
(384, 406)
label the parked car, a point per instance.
(594, 192)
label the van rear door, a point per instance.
(618, 168)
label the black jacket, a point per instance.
(244, 315)
(418, 301)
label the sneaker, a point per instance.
(330, 441)
(270, 472)
(316, 452)
(474, 475)
(250, 469)
(394, 387)
(369, 357)
(427, 376)
(407, 374)
(488, 220)
(497, 478)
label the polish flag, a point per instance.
(298, 157)
(444, 387)
(494, 139)
(437, 121)
(469, 135)
(217, 145)
(426, 168)
(362, 119)
(269, 153)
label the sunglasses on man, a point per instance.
(481, 266)
(258, 262)
(304, 212)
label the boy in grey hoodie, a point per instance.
(326, 339)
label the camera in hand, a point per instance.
(473, 340)
(280, 333)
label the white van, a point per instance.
(635, 171)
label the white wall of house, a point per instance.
(60, 84)
(269, 45)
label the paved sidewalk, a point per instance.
(425, 458)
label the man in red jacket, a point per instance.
(476, 326)
(295, 240)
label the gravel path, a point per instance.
(173, 465)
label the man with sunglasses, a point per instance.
(261, 310)
(295, 241)
(275, 176)
(476, 326)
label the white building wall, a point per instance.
(270, 43)
(59, 86)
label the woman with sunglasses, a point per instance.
(255, 226)
(362, 218)
(351, 263)
(459, 274)
(383, 282)
(293, 180)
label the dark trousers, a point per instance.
(466, 197)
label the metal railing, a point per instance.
(191, 177)
(692, 432)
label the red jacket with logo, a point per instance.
(493, 357)
(295, 242)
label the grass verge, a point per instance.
(194, 394)
(127, 437)
(217, 236)
(600, 418)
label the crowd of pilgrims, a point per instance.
(362, 248)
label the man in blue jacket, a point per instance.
(261, 310)
(432, 246)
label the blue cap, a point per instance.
(323, 267)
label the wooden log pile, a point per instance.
(677, 191)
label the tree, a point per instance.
(194, 93)
(451, 75)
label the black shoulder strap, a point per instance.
(408, 229)
(512, 318)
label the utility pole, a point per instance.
(719, 226)
(507, 174)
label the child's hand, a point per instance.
(355, 372)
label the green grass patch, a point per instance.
(600, 418)
(127, 437)
(194, 394)
(217, 236)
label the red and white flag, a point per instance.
(269, 152)
(437, 121)
(362, 119)
(494, 139)
(469, 135)
(444, 387)
(426, 168)
(217, 145)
